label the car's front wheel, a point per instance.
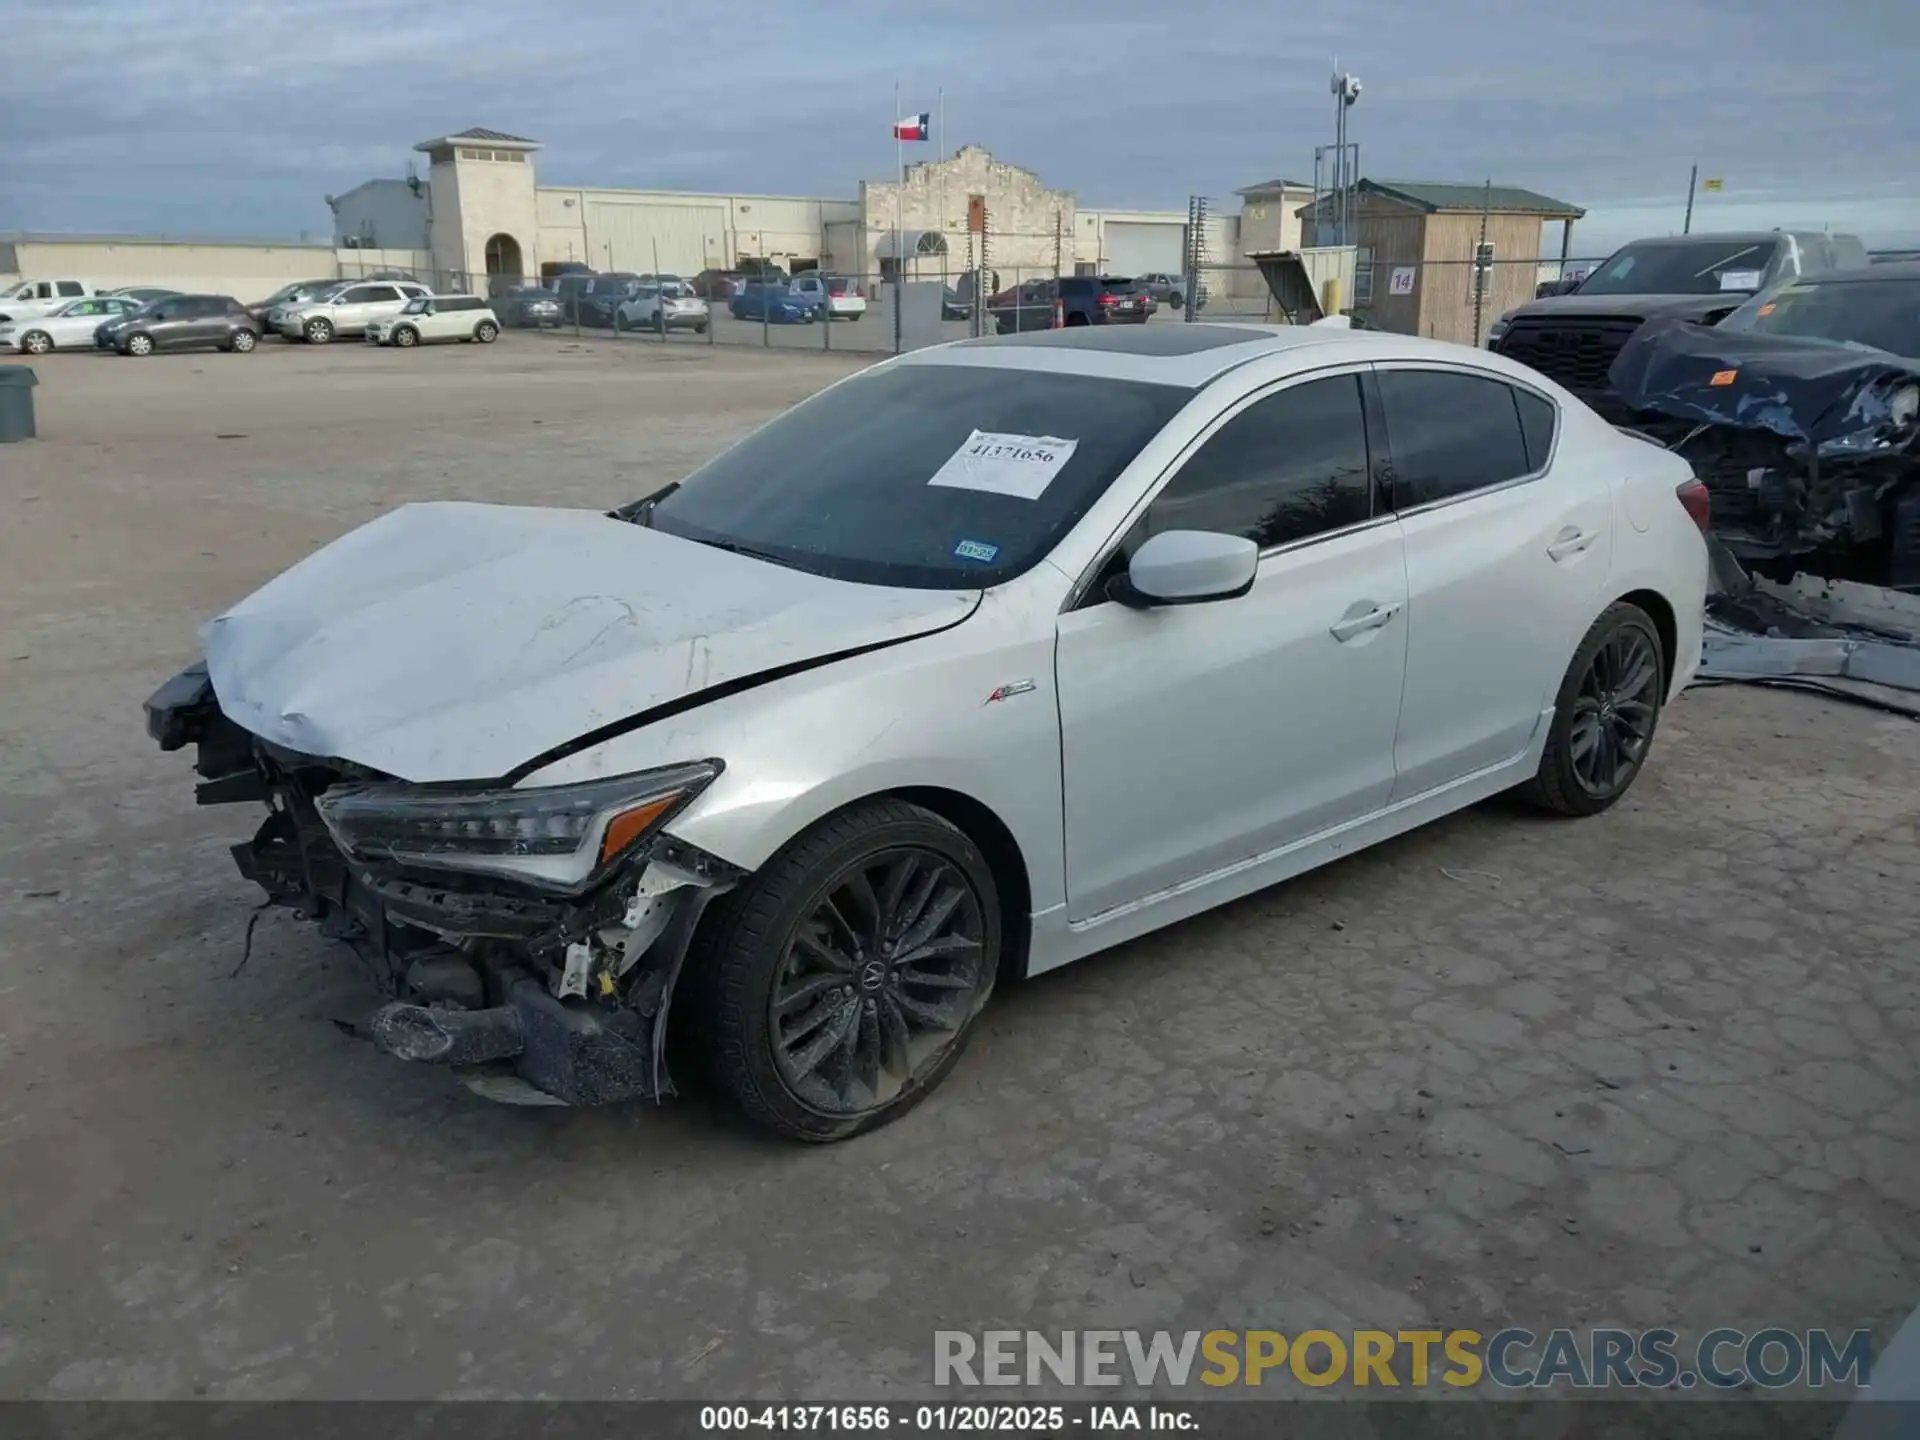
(1604, 715)
(36, 342)
(317, 332)
(406, 337)
(840, 984)
(139, 345)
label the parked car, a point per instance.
(1103, 300)
(569, 288)
(772, 301)
(71, 326)
(185, 322)
(670, 306)
(599, 300)
(528, 307)
(1573, 338)
(965, 701)
(432, 319)
(145, 294)
(551, 275)
(1026, 306)
(953, 306)
(345, 311)
(32, 298)
(1800, 412)
(833, 297)
(300, 292)
(716, 284)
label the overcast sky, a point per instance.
(234, 117)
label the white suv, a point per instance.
(437, 317)
(32, 298)
(347, 310)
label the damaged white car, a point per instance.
(987, 658)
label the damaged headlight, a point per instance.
(1903, 408)
(558, 836)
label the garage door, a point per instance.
(1134, 248)
(685, 238)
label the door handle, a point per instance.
(1570, 542)
(1371, 619)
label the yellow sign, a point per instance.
(1713, 184)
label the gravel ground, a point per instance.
(1656, 1068)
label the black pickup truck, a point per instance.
(1573, 338)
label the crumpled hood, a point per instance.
(1831, 396)
(456, 641)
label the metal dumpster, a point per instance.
(16, 402)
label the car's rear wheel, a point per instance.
(36, 342)
(486, 332)
(840, 985)
(139, 345)
(243, 341)
(1604, 716)
(317, 332)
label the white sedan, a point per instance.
(71, 326)
(988, 658)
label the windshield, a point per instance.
(867, 482)
(417, 306)
(1883, 314)
(1681, 267)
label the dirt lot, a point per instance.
(1656, 1068)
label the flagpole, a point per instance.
(940, 127)
(900, 188)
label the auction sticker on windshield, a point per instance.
(1740, 279)
(1018, 465)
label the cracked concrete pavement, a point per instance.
(1656, 1068)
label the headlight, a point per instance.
(559, 836)
(1904, 408)
(1498, 328)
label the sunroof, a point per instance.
(1162, 339)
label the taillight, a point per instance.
(1697, 501)
(1109, 299)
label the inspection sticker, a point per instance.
(1018, 465)
(976, 550)
(1723, 377)
(1740, 279)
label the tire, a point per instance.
(140, 345)
(1174, 302)
(700, 329)
(1590, 704)
(405, 337)
(317, 331)
(36, 342)
(1076, 320)
(243, 342)
(486, 332)
(750, 943)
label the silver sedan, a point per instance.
(981, 661)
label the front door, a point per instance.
(1196, 736)
(1507, 558)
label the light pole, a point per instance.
(1346, 90)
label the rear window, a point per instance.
(840, 285)
(842, 485)
(1676, 267)
(1121, 286)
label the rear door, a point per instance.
(1507, 561)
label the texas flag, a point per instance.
(919, 127)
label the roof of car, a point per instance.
(1886, 270)
(1187, 354)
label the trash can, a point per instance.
(16, 403)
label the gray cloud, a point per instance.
(180, 117)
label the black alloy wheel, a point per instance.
(1604, 716)
(839, 985)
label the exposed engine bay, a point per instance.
(530, 995)
(1808, 448)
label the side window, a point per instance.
(43, 291)
(1451, 433)
(71, 287)
(1288, 467)
(382, 293)
(1536, 427)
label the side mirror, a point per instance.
(1187, 567)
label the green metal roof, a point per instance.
(1435, 196)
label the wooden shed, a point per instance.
(1420, 251)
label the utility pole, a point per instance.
(1480, 257)
(1692, 180)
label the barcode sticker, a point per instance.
(1018, 465)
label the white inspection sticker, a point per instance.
(1018, 465)
(1740, 279)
